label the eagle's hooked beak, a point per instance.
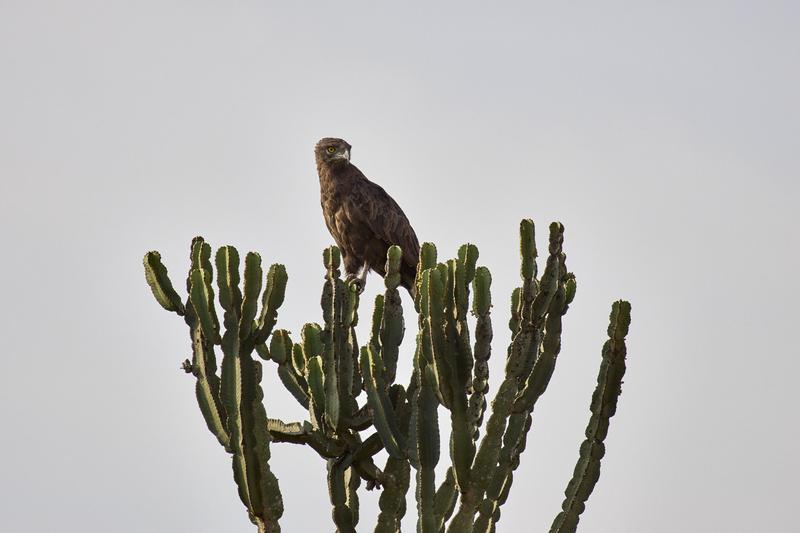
(346, 155)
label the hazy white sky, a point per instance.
(664, 137)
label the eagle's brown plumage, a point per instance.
(362, 218)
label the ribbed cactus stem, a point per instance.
(427, 259)
(481, 308)
(392, 501)
(158, 279)
(201, 296)
(336, 357)
(271, 300)
(204, 367)
(382, 412)
(392, 324)
(603, 407)
(444, 501)
(427, 442)
(528, 254)
(338, 490)
(282, 352)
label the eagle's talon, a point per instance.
(357, 281)
(360, 285)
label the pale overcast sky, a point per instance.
(665, 136)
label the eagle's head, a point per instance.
(332, 152)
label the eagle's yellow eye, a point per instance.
(331, 149)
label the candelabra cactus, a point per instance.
(327, 370)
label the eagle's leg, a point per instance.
(360, 281)
(352, 268)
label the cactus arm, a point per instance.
(331, 302)
(316, 388)
(382, 413)
(282, 352)
(481, 308)
(527, 270)
(545, 363)
(444, 502)
(347, 347)
(603, 407)
(352, 481)
(338, 492)
(397, 472)
(293, 385)
(392, 325)
(158, 279)
(304, 433)
(270, 500)
(227, 261)
(427, 435)
(204, 367)
(271, 300)
(392, 502)
(252, 289)
(514, 442)
(201, 296)
(534, 313)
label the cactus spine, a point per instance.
(326, 369)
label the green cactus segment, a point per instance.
(157, 278)
(337, 353)
(499, 486)
(252, 289)
(570, 288)
(271, 300)
(294, 384)
(392, 326)
(227, 261)
(426, 419)
(304, 433)
(283, 353)
(352, 481)
(316, 388)
(603, 407)
(397, 474)
(377, 321)
(349, 371)
(383, 415)
(204, 367)
(435, 348)
(298, 360)
(201, 255)
(201, 296)
(394, 257)
(444, 502)
(481, 308)
(338, 492)
(392, 501)
(311, 336)
(546, 361)
(527, 248)
(247, 424)
(280, 346)
(513, 323)
(427, 260)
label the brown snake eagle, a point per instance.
(362, 218)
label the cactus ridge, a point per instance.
(326, 370)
